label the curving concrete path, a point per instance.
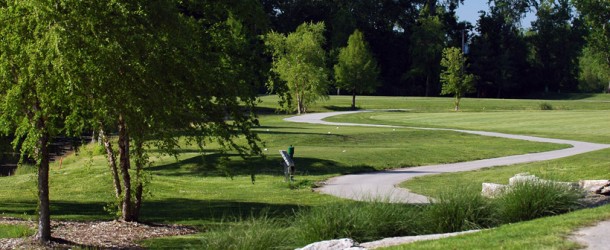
(383, 185)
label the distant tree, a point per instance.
(594, 75)
(597, 14)
(427, 43)
(300, 62)
(455, 80)
(356, 69)
(556, 40)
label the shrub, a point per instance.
(255, 233)
(460, 210)
(533, 199)
(15, 231)
(546, 106)
(361, 221)
(23, 169)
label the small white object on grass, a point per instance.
(344, 151)
(329, 132)
(265, 149)
(267, 130)
(337, 127)
(393, 129)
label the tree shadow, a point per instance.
(341, 108)
(180, 210)
(216, 165)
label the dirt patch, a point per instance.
(95, 234)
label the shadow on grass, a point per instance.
(59, 210)
(215, 165)
(201, 211)
(341, 108)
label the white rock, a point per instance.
(340, 244)
(492, 189)
(521, 178)
(593, 185)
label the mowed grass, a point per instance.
(212, 194)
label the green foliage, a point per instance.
(15, 231)
(356, 69)
(594, 72)
(534, 199)
(359, 221)
(428, 41)
(260, 233)
(546, 106)
(460, 210)
(23, 169)
(597, 14)
(299, 61)
(455, 80)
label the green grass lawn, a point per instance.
(209, 193)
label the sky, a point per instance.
(470, 12)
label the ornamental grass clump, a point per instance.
(534, 199)
(260, 233)
(459, 210)
(361, 221)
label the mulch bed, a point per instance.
(95, 234)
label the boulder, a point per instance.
(522, 177)
(339, 244)
(594, 186)
(492, 189)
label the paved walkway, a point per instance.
(383, 185)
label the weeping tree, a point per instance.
(35, 91)
(141, 68)
(299, 62)
(153, 74)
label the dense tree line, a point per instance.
(407, 38)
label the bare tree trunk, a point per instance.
(113, 167)
(427, 86)
(353, 99)
(42, 155)
(126, 211)
(140, 161)
(299, 104)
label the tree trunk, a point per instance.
(299, 104)
(113, 167)
(457, 103)
(126, 211)
(427, 86)
(42, 158)
(140, 161)
(353, 99)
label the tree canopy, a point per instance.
(356, 69)
(454, 77)
(299, 60)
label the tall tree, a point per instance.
(597, 16)
(557, 42)
(154, 73)
(34, 90)
(427, 43)
(300, 62)
(454, 77)
(356, 69)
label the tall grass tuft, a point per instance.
(460, 210)
(533, 199)
(255, 233)
(24, 169)
(15, 231)
(361, 221)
